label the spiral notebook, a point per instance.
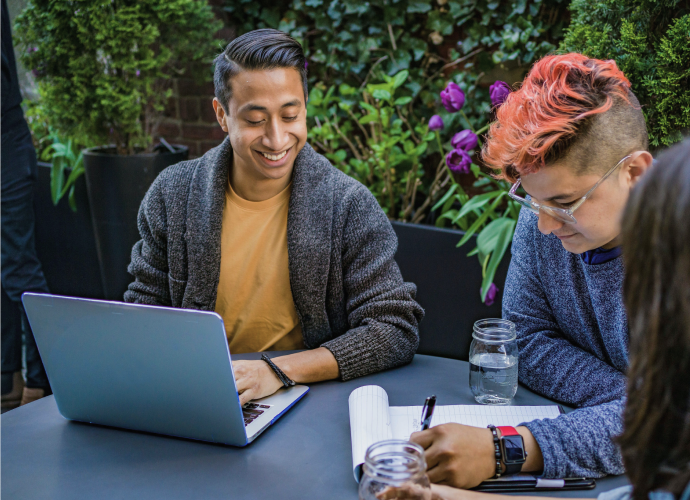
(373, 420)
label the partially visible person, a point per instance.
(288, 250)
(655, 442)
(21, 269)
(574, 138)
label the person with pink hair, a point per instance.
(573, 141)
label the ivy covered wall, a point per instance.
(432, 39)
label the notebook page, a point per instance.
(406, 419)
(369, 421)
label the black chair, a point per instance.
(448, 285)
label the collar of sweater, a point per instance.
(309, 222)
(601, 255)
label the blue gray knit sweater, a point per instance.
(572, 334)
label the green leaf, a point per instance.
(72, 200)
(402, 101)
(487, 238)
(418, 6)
(421, 149)
(57, 178)
(445, 197)
(480, 220)
(381, 94)
(368, 107)
(346, 90)
(400, 78)
(477, 202)
(315, 96)
(440, 220)
(502, 243)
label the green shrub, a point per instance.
(103, 65)
(650, 42)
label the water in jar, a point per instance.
(493, 378)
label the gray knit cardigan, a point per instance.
(347, 288)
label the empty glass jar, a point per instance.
(494, 362)
(394, 464)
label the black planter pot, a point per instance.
(65, 242)
(448, 284)
(116, 185)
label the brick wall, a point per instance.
(189, 118)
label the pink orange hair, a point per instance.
(537, 123)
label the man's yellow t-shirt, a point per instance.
(254, 295)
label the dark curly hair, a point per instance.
(656, 240)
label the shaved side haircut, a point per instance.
(570, 109)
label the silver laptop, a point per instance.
(147, 368)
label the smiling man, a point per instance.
(574, 137)
(291, 252)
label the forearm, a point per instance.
(535, 460)
(581, 443)
(551, 365)
(314, 365)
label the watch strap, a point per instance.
(508, 431)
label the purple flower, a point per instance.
(435, 123)
(306, 64)
(452, 97)
(490, 295)
(499, 92)
(464, 140)
(459, 161)
(138, 73)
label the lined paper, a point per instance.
(373, 420)
(407, 419)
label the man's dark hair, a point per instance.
(257, 50)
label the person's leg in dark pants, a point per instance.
(11, 342)
(21, 269)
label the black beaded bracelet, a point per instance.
(287, 381)
(497, 451)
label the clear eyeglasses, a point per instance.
(561, 214)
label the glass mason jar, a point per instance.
(494, 362)
(394, 464)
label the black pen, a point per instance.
(428, 411)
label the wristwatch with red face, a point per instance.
(513, 454)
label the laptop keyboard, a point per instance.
(250, 411)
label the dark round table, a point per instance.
(306, 454)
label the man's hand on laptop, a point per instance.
(255, 379)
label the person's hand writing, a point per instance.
(457, 455)
(255, 380)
